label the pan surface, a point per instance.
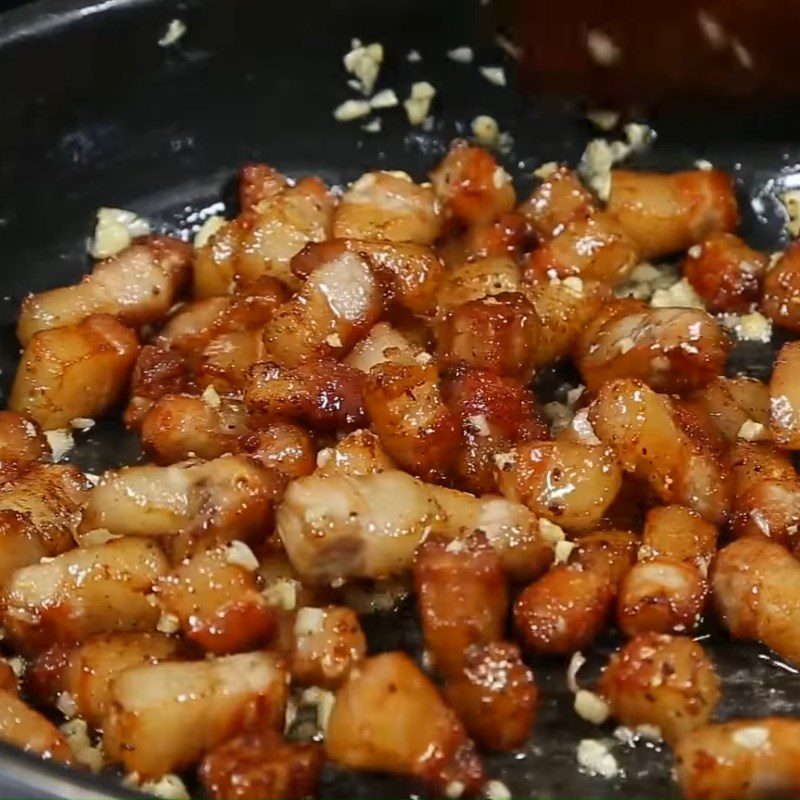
(96, 113)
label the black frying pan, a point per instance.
(94, 112)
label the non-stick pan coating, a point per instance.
(95, 113)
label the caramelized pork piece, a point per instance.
(731, 403)
(21, 439)
(611, 553)
(336, 306)
(754, 584)
(475, 280)
(387, 206)
(384, 343)
(767, 493)
(784, 398)
(283, 446)
(27, 729)
(462, 596)
(494, 696)
(213, 501)
(664, 681)
(264, 239)
(591, 247)
(86, 671)
(389, 718)
(214, 597)
(89, 590)
(495, 413)
(559, 200)
(568, 483)
(498, 332)
(670, 349)
(725, 272)
(324, 395)
(409, 274)
(181, 426)
(780, 300)
(137, 286)
(665, 214)
(565, 610)
(644, 431)
(78, 370)
(746, 759)
(163, 717)
(358, 453)
(327, 644)
(418, 431)
(259, 764)
(157, 373)
(471, 186)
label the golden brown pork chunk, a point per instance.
(780, 300)
(27, 729)
(78, 370)
(163, 717)
(494, 695)
(389, 717)
(560, 199)
(86, 670)
(663, 681)
(746, 759)
(89, 590)
(21, 439)
(137, 286)
(665, 214)
(260, 764)
(755, 591)
(462, 596)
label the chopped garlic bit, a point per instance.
(495, 75)
(574, 394)
(60, 441)
(562, 551)
(500, 178)
(168, 623)
(308, 621)
(98, 536)
(550, 532)
(645, 279)
(603, 119)
(322, 701)
(167, 787)
(754, 327)
(240, 555)
(454, 790)
(600, 156)
(595, 757)
(456, 546)
(752, 738)
(114, 231)
(334, 340)
(207, 230)
(479, 424)
(175, 31)
(752, 431)
(413, 57)
(282, 593)
(703, 164)
(496, 790)
(364, 63)
(384, 99)
(575, 664)
(76, 732)
(626, 344)
(351, 109)
(602, 48)
(558, 415)
(17, 665)
(546, 170)
(419, 102)
(211, 397)
(504, 461)
(574, 284)
(462, 55)
(65, 703)
(591, 706)
(373, 126)
(679, 295)
(485, 129)
(82, 424)
(582, 428)
(791, 202)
